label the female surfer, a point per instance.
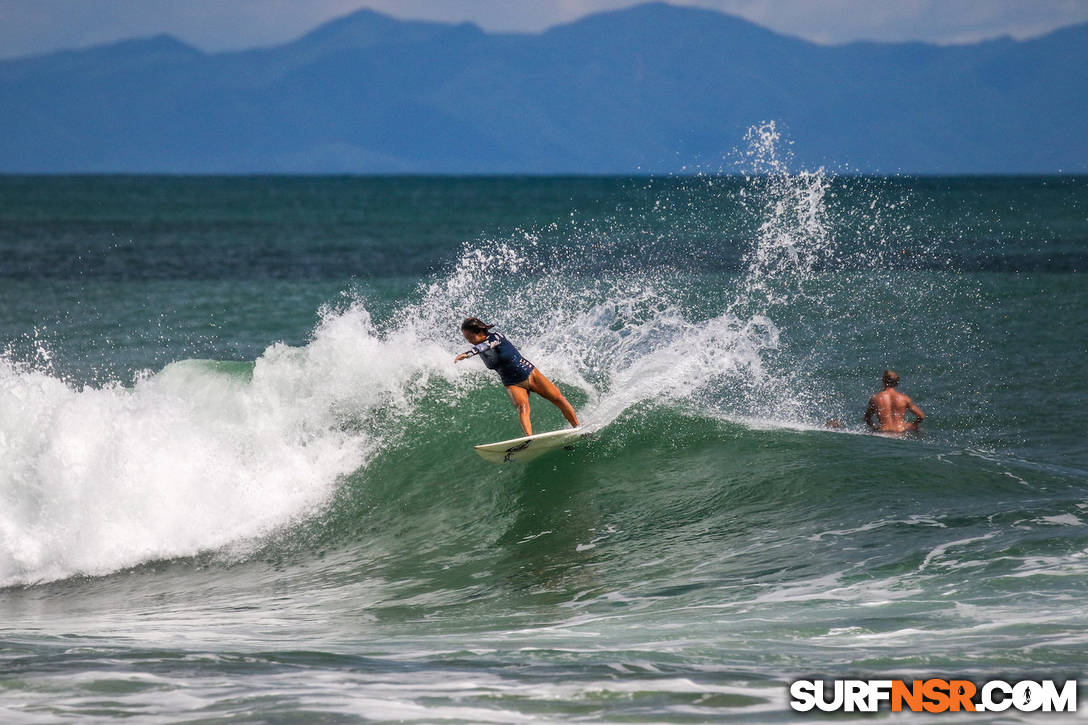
(518, 374)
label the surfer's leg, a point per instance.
(546, 389)
(520, 398)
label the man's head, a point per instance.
(891, 379)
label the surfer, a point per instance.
(890, 407)
(518, 374)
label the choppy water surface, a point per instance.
(236, 476)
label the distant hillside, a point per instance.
(654, 88)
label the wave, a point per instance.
(213, 456)
(195, 457)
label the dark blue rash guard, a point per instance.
(500, 355)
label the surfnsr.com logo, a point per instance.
(933, 695)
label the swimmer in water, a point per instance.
(518, 374)
(890, 407)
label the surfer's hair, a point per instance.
(891, 379)
(476, 325)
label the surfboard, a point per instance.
(529, 447)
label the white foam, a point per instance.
(1061, 520)
(190, 459)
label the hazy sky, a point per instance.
(39, 26)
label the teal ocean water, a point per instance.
(236, 475)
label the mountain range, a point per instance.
(654, 88)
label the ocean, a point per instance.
(236, 469)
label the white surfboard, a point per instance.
(529, 447)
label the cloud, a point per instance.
(935, 21)
(829, 21)
(39, 26)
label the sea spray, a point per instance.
(625, 335)
(792, 224)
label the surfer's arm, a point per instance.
(476, 350)
(918, 414)
(869, 413)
